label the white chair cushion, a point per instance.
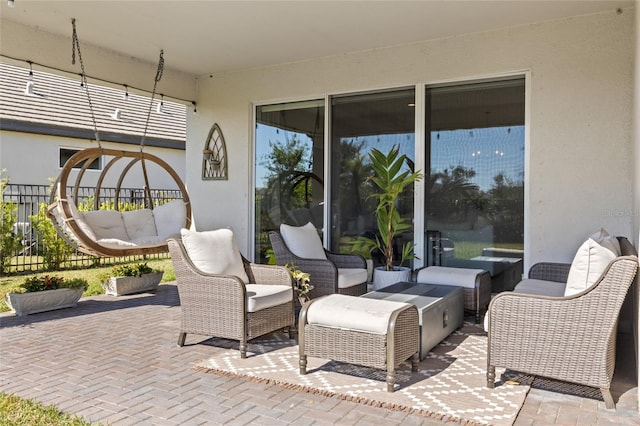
(139, 223)
(150, 241)
(80, 221)
(170, 218)
(262, 296)
(303, 241)
(214, 252)
(106, 224)
(353, 313)
(115, 243)
(348, 277)
(588, 264)
(540, 287)
(443, 275)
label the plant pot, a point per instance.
(383, 278)
(369, 270)
(42, 301)
(119, 286)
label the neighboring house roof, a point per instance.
(57, 105)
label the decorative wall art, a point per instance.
(214, 156)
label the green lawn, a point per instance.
(469, 249)
(17, 411)
(92, 275)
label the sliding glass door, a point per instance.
(289, 164)
(473, 167)
(359, 123)
(474, 187)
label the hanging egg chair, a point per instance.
(114, 233)
(111, 232)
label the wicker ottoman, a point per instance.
(374, 333)
(476, 283)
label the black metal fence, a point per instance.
(29, 198)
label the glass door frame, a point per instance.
(420, 146)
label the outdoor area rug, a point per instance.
(450, 384)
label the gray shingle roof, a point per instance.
(58, 105)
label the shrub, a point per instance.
(55, 251)
(9, 241)
(131, 270)
(52, 282)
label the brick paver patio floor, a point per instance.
(115, 360)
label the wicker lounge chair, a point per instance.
(570, 338)
(219, 305)
(336, 273)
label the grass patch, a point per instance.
(26, 412)
(92, 275)
(469, 249)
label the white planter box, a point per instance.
(42, 301)
(119, 286)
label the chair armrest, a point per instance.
(198, 288)
(569, 338)
(347, 260)
(323, 275)
(270, 274)
(559, 337)
(549, 271)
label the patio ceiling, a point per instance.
(203, 37)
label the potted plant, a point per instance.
(302, 282)
(391, 181)
(45, 293)
(131, 278)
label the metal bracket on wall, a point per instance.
(214, 156)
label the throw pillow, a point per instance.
(214, 252)
(106, 224)
(170, 218)
(303, 241)
(590, 261)
(139, 223)
(609, 241)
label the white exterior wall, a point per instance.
(579, 160)
(33, 159)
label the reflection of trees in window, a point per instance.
(355, 171)
(454, 201)
(288, 194)
(292, 155)
(505, 209)
(452, 197)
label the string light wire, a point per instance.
(83, 77)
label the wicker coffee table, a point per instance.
(440, 309)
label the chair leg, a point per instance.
(243, 348)
(491, 377)
(181, 339)
(391, 380)
(608, 399)
(303, 364)
(415, 358)
(293, 333)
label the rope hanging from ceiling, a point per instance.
(94, 230)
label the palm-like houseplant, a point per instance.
(392, 181)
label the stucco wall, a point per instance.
(579, 157)
(32, 159)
